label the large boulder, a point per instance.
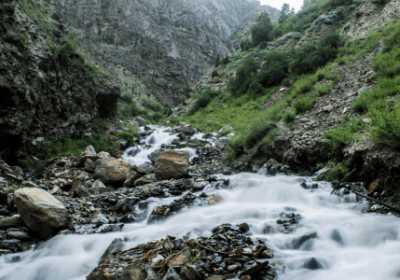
(172, 164)
(112, 171)
(187, 129)
(41, 212)
(140, 121)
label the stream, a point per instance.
(348, 244)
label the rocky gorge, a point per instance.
(170, 188)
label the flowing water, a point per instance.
(349, 244)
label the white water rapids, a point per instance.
(369, 247)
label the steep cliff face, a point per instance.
(46, 87)
(155, 48)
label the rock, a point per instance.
(140, 121)
(312, 264)
(254, 269)
(145, 168)
(103, 155)
(227, 127)
(267, 254)
(14, 221)
(126, 204)
(221, 142)
(182, 258)
(89, 151)
(187, 130)
(98, 187)
(297, 242)
(116, 245)
(373, 187)
(17, 234)
(90, 165)
(243, 227)
(320, 174)
(41, 212)
(145, 180)
(112, 171)
(98, 219)
(191, 273)
(172, 164)
(131, 176)
(214, 199)
(171, 275)
(133, 151)
(154, 156)
(82, 191)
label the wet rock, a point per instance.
(98, 219)
(116, 245)
(112, 171)
(14, 221)
(133, 151)
(297, 242)
(140, 121)
(187, 130)
(145, 180)
(41, 212)
(154, 156)
(98, 187)
(243, 227)
(373, 187)
(320, 174)
(312, 264)
(337, 236)
(131, 177)
(172, 164)
(145, 168)
(254, 269)
(171, 275)
(17, 234)
(90, 165)
(126, 204)
(214, 199)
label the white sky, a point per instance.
(278, 3)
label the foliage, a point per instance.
(345, 133)
(337, 171)
(385, 124)
(323, 89)
(128, 136)
(224, 132)
(304, 103)
(214, 74)
(260, 31)
(68, 145)
(244, 76)
(203, 100)
(289, 117)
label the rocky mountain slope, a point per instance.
(47, 86)
(157, 49)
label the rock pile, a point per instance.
(228, 253)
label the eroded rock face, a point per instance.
(158, 48)
(40, 94)
(112, 171)
(41, 212)
(172, 164)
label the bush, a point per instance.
(260, 31)
(205, 97)
(385, 124)
(304, 103)
(127, 136)
(62, 147)
(333, 76)
(224, 60)
(289, 117)
(323, 89)
(337, 171)
(345, 133)
(214, 74)
(244, 76)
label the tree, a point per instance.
(260, 31)
(217, 61)
(284, 13)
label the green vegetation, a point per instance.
(345, 133)
(203, 100)
(214, 74)
(304, 103)
(337, 171)
(128, 136)
(153, 112)
(380, 103)
(260, 31)
(52, 148)
(323, 89)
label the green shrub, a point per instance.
(67, 145)
(337, 171)
(127, 136)
(304, 103)
(385, 124)
(323, 89)
(214, 74)
(224, 132)
(289, 117)
(225, 60)
(244, 76)
(205, 97)
(342, 135)
(333, 76)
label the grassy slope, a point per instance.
(244, 114)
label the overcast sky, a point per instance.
(278, 3)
